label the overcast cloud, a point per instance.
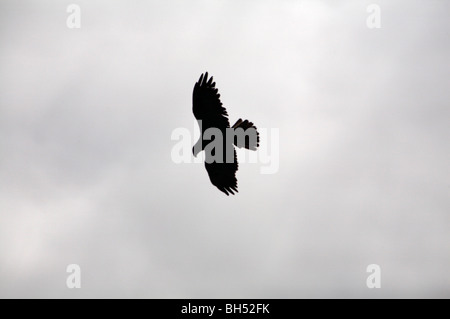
(87, 178)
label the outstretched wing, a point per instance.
(208, 108)
(206, 104)
(223, 175)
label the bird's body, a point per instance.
(217, 138)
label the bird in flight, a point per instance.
(217, 138)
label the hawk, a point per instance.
(220, 161)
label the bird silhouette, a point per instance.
(220, 158)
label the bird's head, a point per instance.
(195, 151)
(197, 147)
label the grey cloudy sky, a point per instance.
(87, 178)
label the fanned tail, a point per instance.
(246, 135)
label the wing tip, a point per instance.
(205, 81)
(227, 190)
